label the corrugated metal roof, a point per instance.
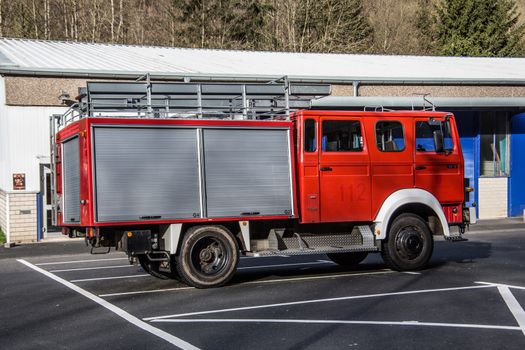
(39, 57)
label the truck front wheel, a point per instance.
(409, 243)
(208, 256)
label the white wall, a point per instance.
(492, 197)
(24, 141)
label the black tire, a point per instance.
(154, 268)
(348, 259)
(208, 256)
(409, 243)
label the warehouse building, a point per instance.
(486, 94)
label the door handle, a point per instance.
(420, 167)
(326, 168)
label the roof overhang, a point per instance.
(7, 69)
(417, 102)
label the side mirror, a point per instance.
(438, 141)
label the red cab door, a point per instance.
(344, 170)
(392, 157)
(440, 173)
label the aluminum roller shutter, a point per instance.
(247, 171)
(146, 174)
(71, 168)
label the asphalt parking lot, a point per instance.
(471, 297)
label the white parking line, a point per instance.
(109, 278)
(94, 268)
(256, 282)
(116, 310)
(387, 323)
(513, 305)
(312, 301)
(78, 261)
(144, 292)
(502, 284)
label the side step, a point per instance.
(361, 239)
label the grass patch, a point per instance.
(2, 237)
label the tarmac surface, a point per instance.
(472, 296)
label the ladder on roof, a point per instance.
(145, 99)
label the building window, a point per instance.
(494, 144)
(390, 137)
(342, 136)
(310, 143)
(426, 136)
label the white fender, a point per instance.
(407, 196)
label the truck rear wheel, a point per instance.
(208, 256)
(347, 259)
(409, 243)
(156, 268)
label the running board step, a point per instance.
(317, 250)
(361, 239)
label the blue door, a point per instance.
(517, 165)
(468, 132)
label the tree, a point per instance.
(395, 26)
(478, 28)
(333, 26)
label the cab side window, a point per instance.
(426, 134)
(310, 141)
(342, 136)
(390, 136)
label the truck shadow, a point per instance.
(459, 252)
(444, 253)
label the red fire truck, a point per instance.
(185, 177)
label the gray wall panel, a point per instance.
(71, 168)
(247, 171)
(146, 172)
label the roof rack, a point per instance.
(145, 99)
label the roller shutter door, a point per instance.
(146, 174)
(71, 176)
(247, 172)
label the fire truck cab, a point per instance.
(185, 197)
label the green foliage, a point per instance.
(221, 23)
(424, 25)
(2, 236)
(478, 28)
(333, 26)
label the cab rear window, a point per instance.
(342, 136)
(390, 136)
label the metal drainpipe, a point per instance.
(355, 84)
(39, 233)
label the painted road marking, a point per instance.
(502, 284)
(256, 282)
(109, 278)
(513, 305)
(312, 301)
(116, 310)
(78, 261)
(144, 292)
(94, 268)
(387, 323)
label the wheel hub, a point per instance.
(209, 256)
(206, 255)
(409, 242)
